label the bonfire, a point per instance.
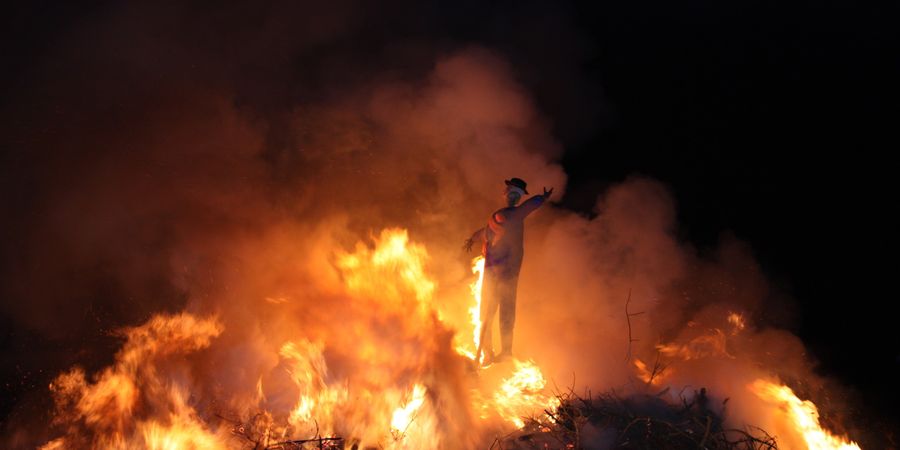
(406, 378)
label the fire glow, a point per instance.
(801, 415)
(138, 404)
(152, 398)
(468, 348)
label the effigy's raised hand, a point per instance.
(467, 246)
(547, 193)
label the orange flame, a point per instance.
(367, 272)
(317, 400)
(801, 415)
(475, 310)
(737, 322)
(654, 376)
(522, 394)
(404, 415)
(394, 377)
(796, 421)
(468, 348)
(132, 405)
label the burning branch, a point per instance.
(297, 444)
(658, 368)
(258, 432)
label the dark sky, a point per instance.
(771, 121)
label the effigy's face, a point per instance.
(512, 197)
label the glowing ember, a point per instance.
(802, 415)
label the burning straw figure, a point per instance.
(502, 250)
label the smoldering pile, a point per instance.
(636, 421)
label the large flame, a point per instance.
(389, 378)
(522, 394)
(135, 404)
(800, 416)
(151, 398)
(468, 348)
(370, 273)
(404, 415)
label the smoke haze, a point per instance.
(219, 160)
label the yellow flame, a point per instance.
(522, 393)
(475, 310)
(465, 348)
(317, 400)
(802, 415)
(109, 406)
(404, 415)
(147, 398)
(179, 435)
(374, 273)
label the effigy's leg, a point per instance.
(506, 290)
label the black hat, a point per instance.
(517, 182)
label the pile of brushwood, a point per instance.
(637, 422)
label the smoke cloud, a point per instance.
(171, 158)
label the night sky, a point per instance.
(773, 122)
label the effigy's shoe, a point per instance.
(502, 357)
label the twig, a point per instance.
(658, 368)
(673, 425)
(299, 442)
(628, 316)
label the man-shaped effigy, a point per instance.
(502, 248)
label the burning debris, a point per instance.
(153, 397)
(656, 422)
(393, 391)
(635, 422)
(257, 435)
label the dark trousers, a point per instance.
(498, 293)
